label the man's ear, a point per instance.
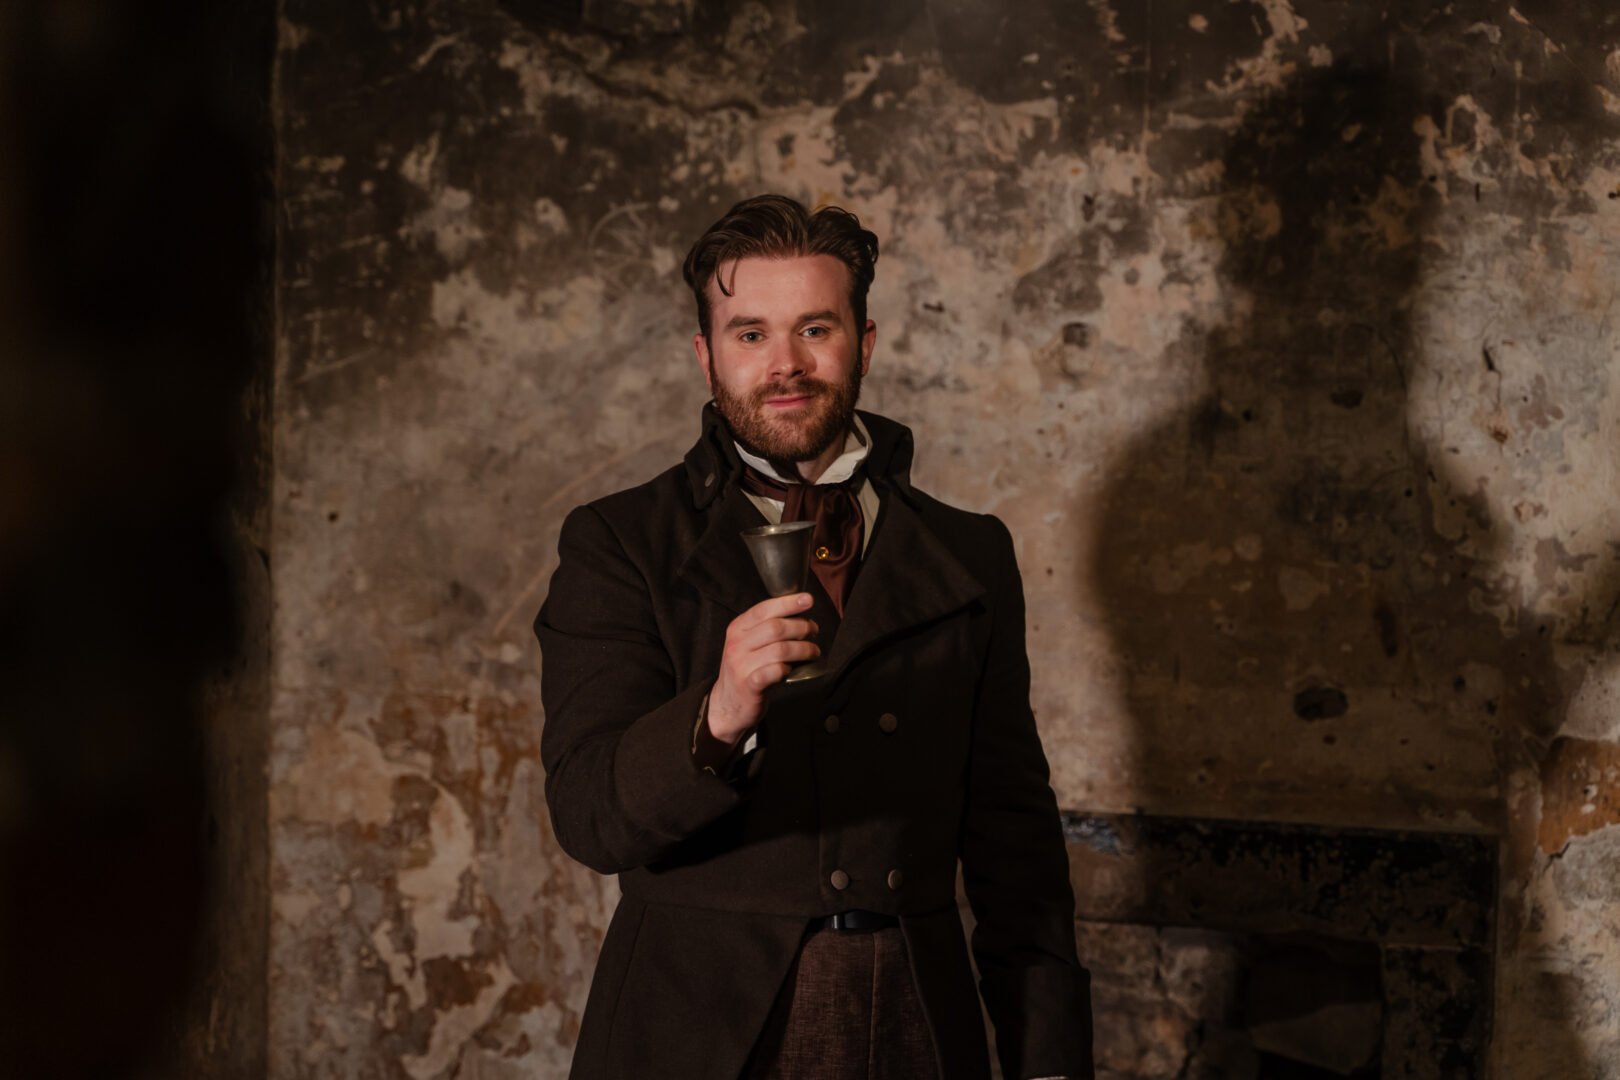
(868, 341)
(700, 348)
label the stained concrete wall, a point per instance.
(1279, 333)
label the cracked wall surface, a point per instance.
(1280, 333)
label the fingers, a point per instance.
(777, 660)
(771, 620)
(777, 653)
(775, 608)
(772, 630)
(790, 650)
(767, 676)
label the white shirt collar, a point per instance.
(842, 468)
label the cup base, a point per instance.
(812, 669)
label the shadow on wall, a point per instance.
(134, 358)
(1287, 571)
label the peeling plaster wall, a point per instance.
(1279, 333)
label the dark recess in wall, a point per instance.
(135, 360)
(546, 14)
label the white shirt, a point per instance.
(842, 468)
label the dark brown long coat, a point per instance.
(719, 878)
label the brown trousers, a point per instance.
(848, 1010)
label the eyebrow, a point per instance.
(825, 315)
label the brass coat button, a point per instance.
(896, 878)
(832, 723)
(840, 880)
(888, 722)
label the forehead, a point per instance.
(779, 285)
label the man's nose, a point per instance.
(789, 359)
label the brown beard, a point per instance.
(784, 442)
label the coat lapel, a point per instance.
(719, 566)
(907, 578)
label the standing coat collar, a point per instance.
(908, 576)
(712, 465)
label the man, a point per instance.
(787, 851)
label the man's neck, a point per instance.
(810, 471)
(853, 440)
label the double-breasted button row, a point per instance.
(888, 723)
(840, 880)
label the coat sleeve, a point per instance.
(621, 782)
(1015, 866)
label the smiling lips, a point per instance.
(792, 395)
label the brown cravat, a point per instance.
(836, 547)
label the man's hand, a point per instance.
(762, 644)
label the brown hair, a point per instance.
(777, 226)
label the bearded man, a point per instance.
(787, 852)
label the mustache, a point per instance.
(798, 388)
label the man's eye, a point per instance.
(749, 336)
(815, 331)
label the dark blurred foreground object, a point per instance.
(135, 351)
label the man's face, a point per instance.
(784, 360)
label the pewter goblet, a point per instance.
(782, 555)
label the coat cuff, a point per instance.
(715, 757)
(661, 787)
(1047, 1025)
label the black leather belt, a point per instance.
(855, 920)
